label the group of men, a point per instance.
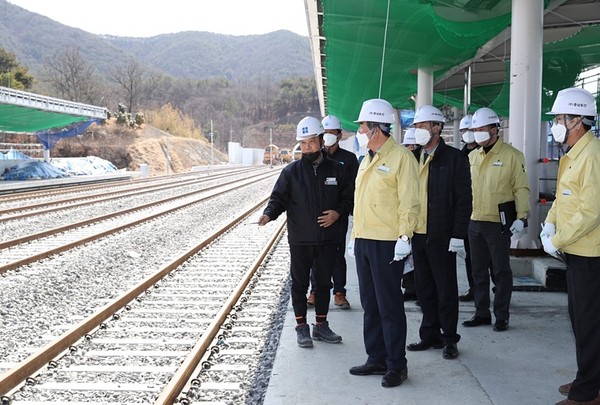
(434, 202)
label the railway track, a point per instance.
(38, 203)
(177, 334)
(36, 246)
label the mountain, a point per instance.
(195, 55)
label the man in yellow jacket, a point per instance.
(386, 206)
(573, 227)
(497, 176)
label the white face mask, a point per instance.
(481, 136)
(468, 136)
(422, 136)
(559, 132)
(363, 139)
(329, 139)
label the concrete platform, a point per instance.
(524, 365)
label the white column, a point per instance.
(456, 129)
(397, 135)
(525, 100)
(424, 86)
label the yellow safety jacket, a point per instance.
(496, 177)
(386, 198)
(576, 210)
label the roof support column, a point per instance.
(526, 100)
(424, 86)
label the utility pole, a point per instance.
(211, 147)
(168, 152)
(271, 146)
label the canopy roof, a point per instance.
(362, 51)
(27, 112)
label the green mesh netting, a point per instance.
(426, 33)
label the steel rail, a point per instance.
(100, 197)
(93, 185)
(190, 364)
(11, 379)
(81, 241)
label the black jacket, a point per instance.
(350, 163)
(449, 198)
(305, 193)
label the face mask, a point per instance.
(311, 157)
(481, 136)
(422, 136)
(329, 139)
(468, 137)
(559, 132)
(363, 139)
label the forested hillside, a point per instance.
(245, 84)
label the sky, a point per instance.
(146, 18)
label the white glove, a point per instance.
(549, 229)
(458, 246)
(547, 244)
(517, 226)
(401, 250)
(351, 248)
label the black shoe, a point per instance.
(476, 321)
(410, 296)
(450, 351)
(500, 326)
(394, 378)
(422, 345)
(369, 369)
(467, 296)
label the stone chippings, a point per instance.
(40, 301)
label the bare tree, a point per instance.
(130, 78)
(72, 77)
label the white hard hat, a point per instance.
(308, 127)
(574, 101)
(409, 137)
(331, 122)
(484, 116)
(429, 113)
(376, 110)
(465, 122)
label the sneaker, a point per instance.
(311, 299)
(339, 299)
(303, 333)
(322, 332)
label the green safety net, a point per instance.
(21, 119)
(562, 63)
(440, 34)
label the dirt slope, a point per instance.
(127, 148)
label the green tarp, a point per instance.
(429, 33)
(20, 119)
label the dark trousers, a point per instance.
(489, 244)
(339, 269)
(468, 265)
(303, 258)
(437, 289)
(384, 326)
(583, 287)
(408, 282)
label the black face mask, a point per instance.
(311, 157)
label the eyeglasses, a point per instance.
(559, 118)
